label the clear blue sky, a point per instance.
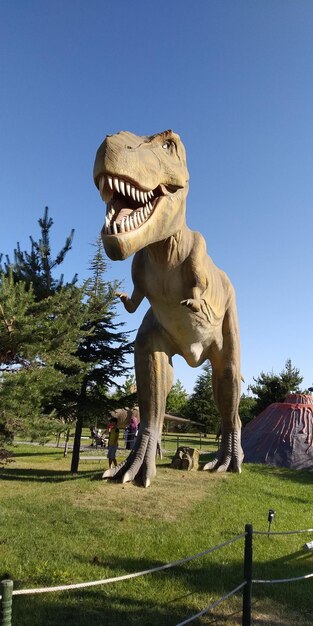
(234, 79)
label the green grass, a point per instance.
(59, 529)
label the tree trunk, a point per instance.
(76, 446)
(78, 428)
(66, 442)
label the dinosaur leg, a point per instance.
(226, 386)
(154, 377)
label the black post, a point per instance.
(247, 590)
(6, 589)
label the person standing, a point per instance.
(132, 430)
(113, 441)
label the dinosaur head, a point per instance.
(144, 182)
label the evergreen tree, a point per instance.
(201, 406)
(37, 353)
(102, 351)
(17, 306)
(37, 266)
(126, 394)
(270, 387)
(40, 329)
(177, 399)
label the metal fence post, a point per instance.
(247, 590)
(6, 589)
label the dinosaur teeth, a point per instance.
(116, 222)
(125, 188)
(101, 184)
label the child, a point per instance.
(113, 441)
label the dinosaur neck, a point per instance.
(172, 251)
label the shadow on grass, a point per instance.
(130, 602)
(187, 589)
(57, 452)
(43, 475)
(304, 477)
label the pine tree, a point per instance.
(102, 351)
(37, 266)
(17, 306)
(40, 329)
(177, 399)
(37, 351)
(270, 387)
(201, 406)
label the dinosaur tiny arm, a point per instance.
(132, 303)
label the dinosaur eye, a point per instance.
(169, 145)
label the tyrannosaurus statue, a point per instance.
(144, 182)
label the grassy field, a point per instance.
(58, 529)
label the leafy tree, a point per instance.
(270, 387)
(102, 350)
(37, 266)
(201, 406)
(247, 408)
(177, 399)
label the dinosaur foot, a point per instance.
(140, 464)
(230, 454)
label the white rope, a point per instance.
(212, 606)
(283, 580)
(282, 532)
(105, 581)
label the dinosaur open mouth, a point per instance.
(128, 205)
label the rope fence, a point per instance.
(7, 592)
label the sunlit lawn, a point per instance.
(58, 529)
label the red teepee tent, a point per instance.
(282, 434)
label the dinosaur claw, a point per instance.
(139, 467)
(108, 474)
(230, 455)
(126, 478)
(209, 466)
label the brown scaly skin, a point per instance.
(144, 181)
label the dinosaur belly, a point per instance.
(195, 355)
(190, 333)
